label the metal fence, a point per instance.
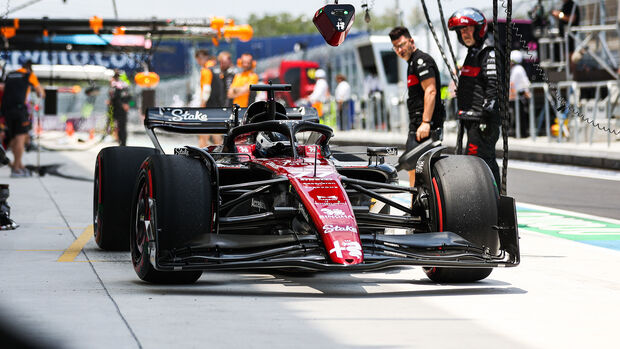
(562, 112)
(575, 117)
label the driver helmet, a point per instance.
(270, 144)
(466, 17)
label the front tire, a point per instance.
(116, 170)
(469, 206)
(173, 203)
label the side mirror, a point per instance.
(380, 153)
(334, 22)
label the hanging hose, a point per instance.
(445, 32)
(461, 128)
(501, 78)
(443, 54)
(505, 88)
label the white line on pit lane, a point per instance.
(405, 199)
(567, 213)
(565, 170)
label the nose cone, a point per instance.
(346, 252)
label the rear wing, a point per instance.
(190, 120)
(208, 120)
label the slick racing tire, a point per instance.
(469, 208)
(116, 170)
(173, 203)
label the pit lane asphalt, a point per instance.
(563, 295)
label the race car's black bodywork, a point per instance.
(242, 205)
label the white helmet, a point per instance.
(320, 74)
(269, 144)
(516, 56)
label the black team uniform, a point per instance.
(118, 97)
(567, 8)
(226, 77)
(477, 96)
(14, 103)
(420, 67)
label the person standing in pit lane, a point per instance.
(226, 72)
(344, 103)
(519, 93)
(426, 111)
(119, 102)
(239, 89)
(568, 15)
(477, 92)
(16, 90)
(211, 92)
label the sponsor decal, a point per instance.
(420, 61)
(335, 213)
(326, 198)
(243, 149)
(331, 228)
(318, 183)
(470, 71)
(184, 115)
(353, 248)
(464, 20)
(419, 167)
(259, 204)
(311, 150)
(472, 150)
(181, 151)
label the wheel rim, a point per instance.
(97, 207)
(142, 222)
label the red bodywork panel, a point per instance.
(326, 201)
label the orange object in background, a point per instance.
(9, 32)
(96, 24)
(319, 108)
(217, 23)
(147, 79)
(119, 31)
(69, 130)
(242, 32)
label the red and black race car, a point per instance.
(274, 195)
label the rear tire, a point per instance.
(183, 209)
(115, 174)
(469, 200)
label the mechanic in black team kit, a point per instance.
(477, 92)
(426, 111)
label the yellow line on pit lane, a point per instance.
(77, 245)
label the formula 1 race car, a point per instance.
(274, 196)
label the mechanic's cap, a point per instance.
(516, 56)
(320, 74)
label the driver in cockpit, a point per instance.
(272, 144)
